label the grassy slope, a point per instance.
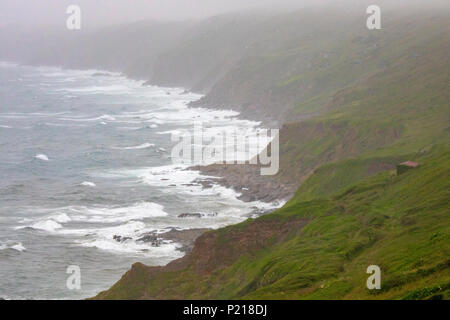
(296, 63)
(397, 222)
(353, 210)
(356, 210)
(388, 115)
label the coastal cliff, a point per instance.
(350, 106)
(351, 210)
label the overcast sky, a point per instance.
(33, 13)
(106, 12)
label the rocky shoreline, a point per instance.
(186, 238)
(247, 180)
(244, 179)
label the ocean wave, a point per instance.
(130, 128)
(50, 124)
(30, 114)
(61, 218)
(88, 184)
(54, 217)
(51, 223)
(117, 89)
(46, 225)
(13, 245)
(104, 117)
(164, 251)
(141, 146)
(177, 179)
(103, 239)
(42, 157)
(137, 211)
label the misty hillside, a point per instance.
(351, 104)
(367, 106)
(251, 62)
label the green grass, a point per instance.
(397, 222)
(351, 209)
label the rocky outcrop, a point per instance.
(185, 238)
(247, 180)
(212, 251)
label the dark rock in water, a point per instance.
(148, 238)
(197, 215)
(184, 237)
(247, 180)
(190, 215)
(120, 238)
(206, 184)
(29, 229)
(165, 179)
(152, 239)
(189, 184)
(172, 185)
(247, 198)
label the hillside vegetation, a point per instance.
(320, 248)
(351, 210)
(351, 104)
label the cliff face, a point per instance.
(212, 252)
(321, 248)
(352, 210)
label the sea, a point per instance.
(85, 156)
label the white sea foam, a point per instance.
(95, 225)
(141, 146)
(166, 250)
(88, 184)
(174, 179)
(103, 239)
(137, 211)
(117, 89)
(61, 218)
(50, 124)
(103, 118)
(30, 114)
(5, 127)
(18, 247)
(14, 245)
(103, 215)
(42, 157)
(46, 225)
(130, 128)
(109, 222)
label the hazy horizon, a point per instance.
(105, 12)
(101, 13)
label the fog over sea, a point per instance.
(86, 156)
